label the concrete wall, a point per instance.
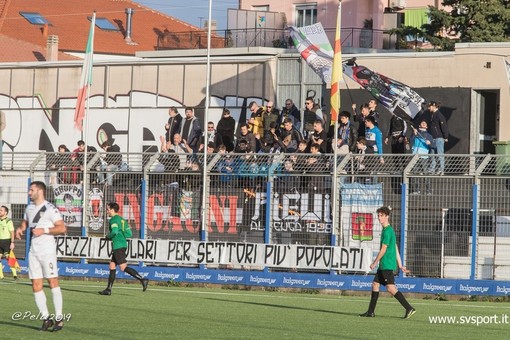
(130, 99)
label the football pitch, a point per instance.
(212, 313)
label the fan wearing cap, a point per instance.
(373, 136)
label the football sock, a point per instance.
(1, 269)
(40, 301)
(401, 298)
(14, 272)
(373, 302)
(133, 273)
(111, 278)
(57, 302)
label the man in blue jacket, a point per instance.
(421, 140)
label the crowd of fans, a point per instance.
(268, 130)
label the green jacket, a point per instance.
(119, 232)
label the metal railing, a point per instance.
(453, 223)
(269, 37)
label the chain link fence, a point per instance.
(453, 223)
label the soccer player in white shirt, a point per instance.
(44, 222)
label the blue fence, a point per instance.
(453, 228)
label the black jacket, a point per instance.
(175, 127)
(352, 136)
(113, 155)
(226, 129)
(438, 127)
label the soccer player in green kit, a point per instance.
(119, 233)
(388, 259)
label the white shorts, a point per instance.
(42, 266)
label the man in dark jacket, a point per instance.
(174, 124)
(226, 129)
(191, 129)
(210, 138)
(397, 135)
(347, 134)
(310, 115)
(438, 128)
(361, 116)
(289, 137)
(292, 112)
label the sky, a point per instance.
(193, 11)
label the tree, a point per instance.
(404, 33)
(468, 21)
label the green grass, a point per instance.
(205, 313)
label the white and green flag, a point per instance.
(315, 48)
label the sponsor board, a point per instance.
(438, 287)
(75, 271)
(291, 280)
(502, 289)
(230, 278)
(471, 288)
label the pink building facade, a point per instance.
(357, 16)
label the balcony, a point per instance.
(352, 37)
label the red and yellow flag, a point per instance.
(336, 73)
(12, 261)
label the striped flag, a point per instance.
(314, 47)
(397, 97)
(336, 73)
(86, 78)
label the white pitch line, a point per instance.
(302, 297)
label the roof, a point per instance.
(25, 51)
(69, 20)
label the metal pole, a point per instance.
(85, 136)
(203, 234)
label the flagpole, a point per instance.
(335, 111)
(85, 158)
(203, 234)
(87, 80)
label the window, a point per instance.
(105, 24)
(261, 8)
(34, 18)
(306, 14)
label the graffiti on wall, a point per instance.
(132, 120)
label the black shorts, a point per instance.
(384, 277)
(119, 256)
(5, 247)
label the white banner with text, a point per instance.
(222, 253)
